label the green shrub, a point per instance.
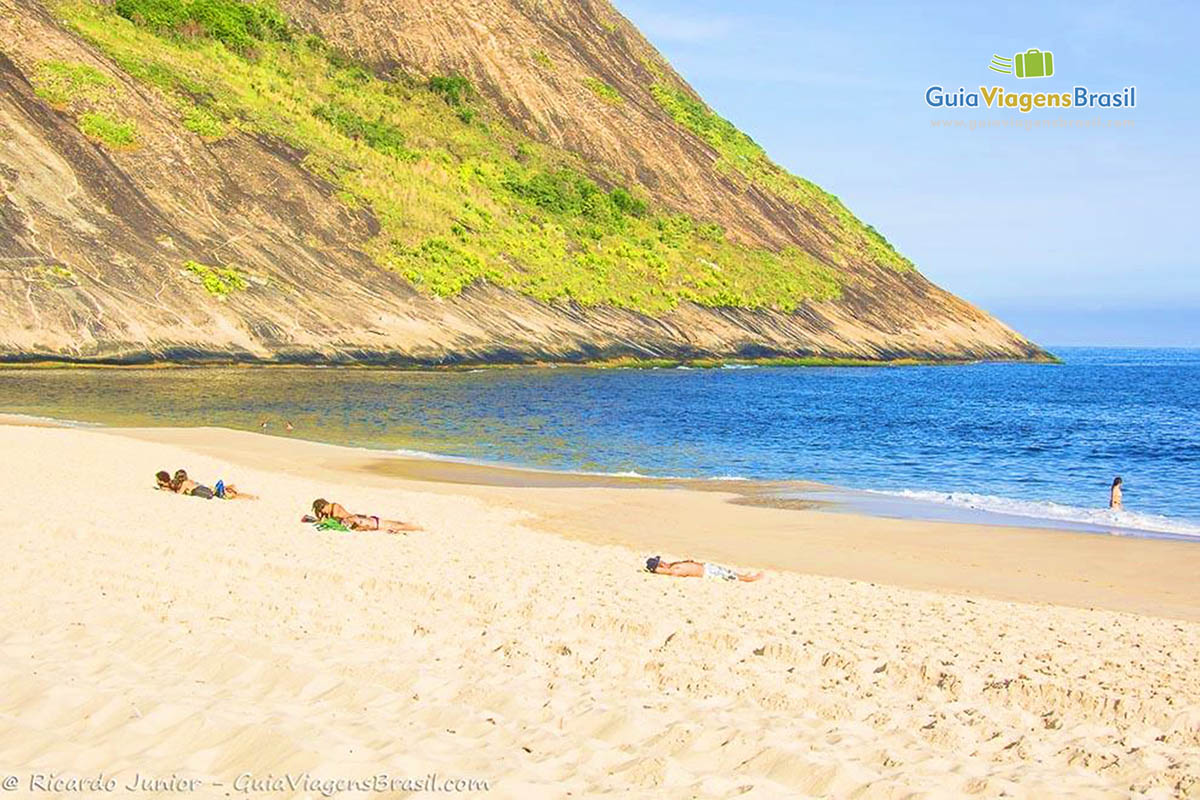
(119, 133)
(439, 266)
(60, 82)
(55, 276)
(626, 203)
(725, 138)
(377, 134)
(201, 122)
(453, 88)
(571, 194)
(605, 92)
(541, 59)
(238, 25)
(217, 281)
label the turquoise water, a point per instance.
(1034, 441)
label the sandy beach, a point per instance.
(516, 641)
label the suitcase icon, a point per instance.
(1034, 63)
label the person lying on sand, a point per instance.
(697, 569)
(182, 484)
(323, 509)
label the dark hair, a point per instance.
(1117, 481)
(652, 563)
(319, 506)
(162, 476)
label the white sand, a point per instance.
(146, 632)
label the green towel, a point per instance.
(330, 524)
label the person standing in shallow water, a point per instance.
(1114, 495)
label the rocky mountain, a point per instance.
(393, 181)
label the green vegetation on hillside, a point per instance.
(60, 82)
(217, 281)
(239, 26)
(740, 154)
(377, 134)
(112, 131)
(460, 196)
(90, 96)
(454, 88)
(54, 276)
(457, 92)
(202, 122)
(605, 92)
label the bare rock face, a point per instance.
(92, 237)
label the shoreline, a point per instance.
(726, 523)
(783, 493)
(411, 365)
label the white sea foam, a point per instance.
(422, 454)
(63, 421)
(480, 462)
(1132, 521)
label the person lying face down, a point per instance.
(323, 509)
(180, 483)
(698, 569)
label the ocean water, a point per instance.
(1029, 441)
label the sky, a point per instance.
(1075, 236)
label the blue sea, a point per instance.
(1007, 443)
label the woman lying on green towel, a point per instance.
(325, 510)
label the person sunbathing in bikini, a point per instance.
(323, 509)
(698, 569)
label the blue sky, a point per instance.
(1075, 236)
